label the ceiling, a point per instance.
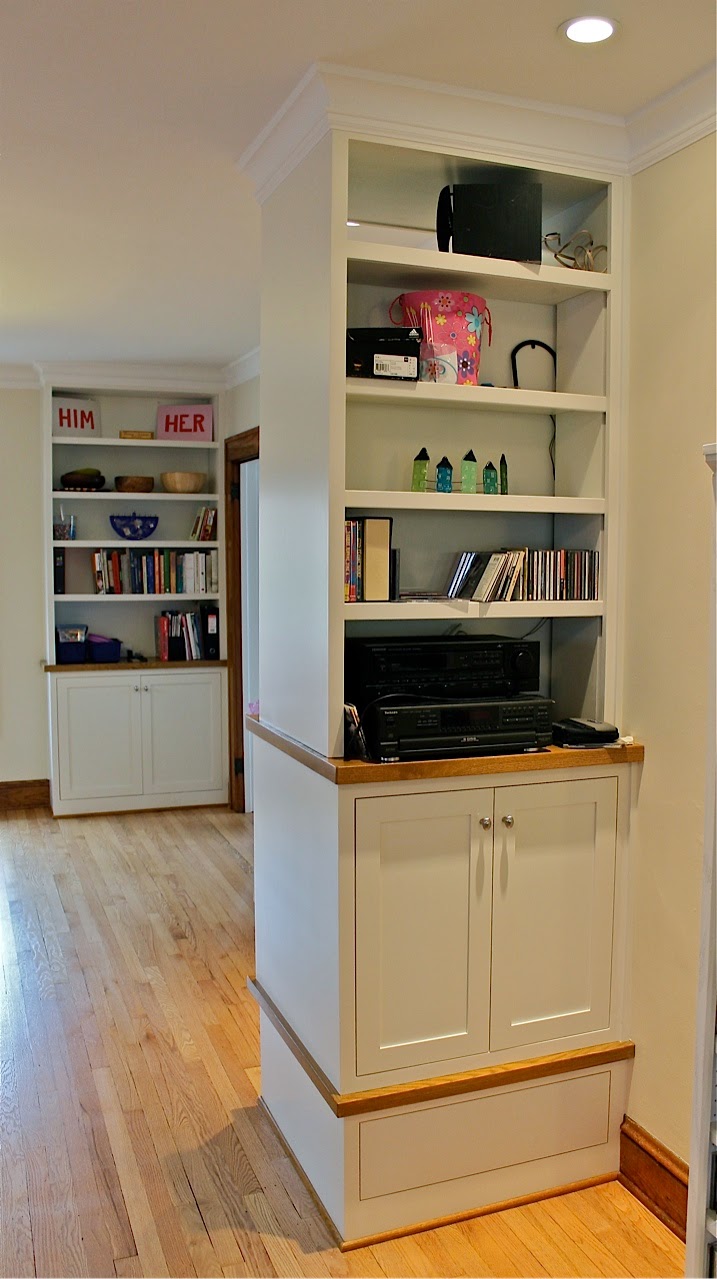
(126, 229)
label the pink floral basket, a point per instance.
(452, 322)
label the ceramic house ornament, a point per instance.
(469, 473)
(444, 476)
(490, 478)
(419, 478)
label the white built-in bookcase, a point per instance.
(129, 617)
(347, 444)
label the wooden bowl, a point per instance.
(134, 483)
(183, 481)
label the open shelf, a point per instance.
(407, 268)
(128, 597)
(494, 504)
(502, 399)
(115, 443)
(165, 544)
(457, 610)
(111, 495)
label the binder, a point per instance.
(209, 614)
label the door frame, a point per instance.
(238, 449)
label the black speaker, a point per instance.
(491, 220)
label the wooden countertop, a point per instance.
(66, 667)
(355, 772)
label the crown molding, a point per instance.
(673, 121)
(243, 369)
(19, 377)
(399, 109)
(203, 379)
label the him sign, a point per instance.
(184, 423)
(74, 416)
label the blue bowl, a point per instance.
(134, 527)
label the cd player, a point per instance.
(398, 730)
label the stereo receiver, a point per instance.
(460, 666)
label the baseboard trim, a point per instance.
(421, 1090)
(35, 794)
(654, 1175)
(347, 1245)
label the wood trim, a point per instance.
(70, 667)
(34, 794)
(654, 1175)
(237, 449)
(420, 1090)
(347, 1245)
(357, 772)
(320, 764)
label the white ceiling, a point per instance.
(126, 229)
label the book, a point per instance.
(376, 558)
(58, 571)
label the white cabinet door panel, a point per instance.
(553, 889)
(181, 732)
(99, 736)
(423, 891)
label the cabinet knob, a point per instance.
(508, 820)
(146, 688)
(486, 823)
(136, 688)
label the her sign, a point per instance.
(184, 423)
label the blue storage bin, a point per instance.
(69, 653)
(100, 648)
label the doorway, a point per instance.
(241, 480)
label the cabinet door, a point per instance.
(553, 887)
(423, 891)
(99, 736)
(181, 732)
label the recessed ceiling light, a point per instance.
(588, 30)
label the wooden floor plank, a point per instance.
(132, 1139)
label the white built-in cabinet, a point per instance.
(484, 919)
(140, 736)
(136, 734)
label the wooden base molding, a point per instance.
(654, 1176)
(347, 1245)
(420, 1090)
(34, 794)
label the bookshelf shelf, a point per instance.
(130, 598)
(402, 268)
(62, 441)
(368, 500)
(165, 543)
(111, 495)
(455, 610)
(496, 399)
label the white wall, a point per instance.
(242, 408)
(23, 707)
(669, 539)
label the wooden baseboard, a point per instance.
(654, 1176)
(24, 795)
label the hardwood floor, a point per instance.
(131, 1142)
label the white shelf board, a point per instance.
(115, 443)
(455, 610)
(110, 495)
(495, 504)
(711, 1224)
(129, 598)
(407, 268)
(136, 544)
(501, 399)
